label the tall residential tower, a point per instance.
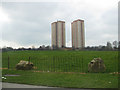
(58, 34)
(78, 34)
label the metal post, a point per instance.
(53, 64)
(82, 66)
(74, 62)
(79, 66)
(29, 60)
(75, 65)
(8, 61)
(69, 60)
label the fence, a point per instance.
(57, 63)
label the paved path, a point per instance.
(13, 85)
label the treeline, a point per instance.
(23, 48)
(114, 46)
(88, 48)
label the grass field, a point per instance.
(62, 61)
(61, 65)
(69, 80)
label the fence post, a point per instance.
(53, 63)
(69, 60)
(82, 64)
(8, 62)
(29, 60)
(74, 62)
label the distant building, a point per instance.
(78, 34)
(58, 34)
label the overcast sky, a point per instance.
(24, 24)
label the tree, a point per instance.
(47, 47)
(115, 44)
(103, 47)
(33, 47)
(109, 46)
(119, 45)
(7, 48)
(43, 46)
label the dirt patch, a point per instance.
(3, 68)
(60, 72)
(115, 73)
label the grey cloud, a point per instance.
(31, 23)
(111, 17)
(103, 29)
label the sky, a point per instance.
(26, 24)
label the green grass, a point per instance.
(69, 80)
(62, 61)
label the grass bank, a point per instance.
(70, 80)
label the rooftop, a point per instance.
(78, 20)
(59, 21)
